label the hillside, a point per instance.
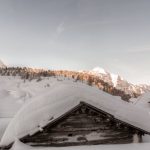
(108, 82)
(92, 80)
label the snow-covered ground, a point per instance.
(15, 92)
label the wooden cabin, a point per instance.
(85, 125)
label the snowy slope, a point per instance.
(63, 96)
(14, 93)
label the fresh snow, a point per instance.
(59, 98)
(15, 93)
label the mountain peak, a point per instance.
(99, 70)
(107, 76)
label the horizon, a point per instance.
(78, 35)
(97, 67)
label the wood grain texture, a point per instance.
(83, 126)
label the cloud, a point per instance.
(139, 49)
(60, 28)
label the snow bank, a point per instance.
(62, 97)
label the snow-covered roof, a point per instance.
(143, 101)
(60, 99)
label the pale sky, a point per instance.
(78, 35)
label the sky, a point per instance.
(78, 35)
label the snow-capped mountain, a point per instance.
(2, 65)
(108, 77)
(105, 75)
(118, 82)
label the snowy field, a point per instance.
(15, 93)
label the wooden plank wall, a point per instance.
(80, 127)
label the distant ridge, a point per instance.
(111, 83)
(118, 82)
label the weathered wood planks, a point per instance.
(84, 125)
